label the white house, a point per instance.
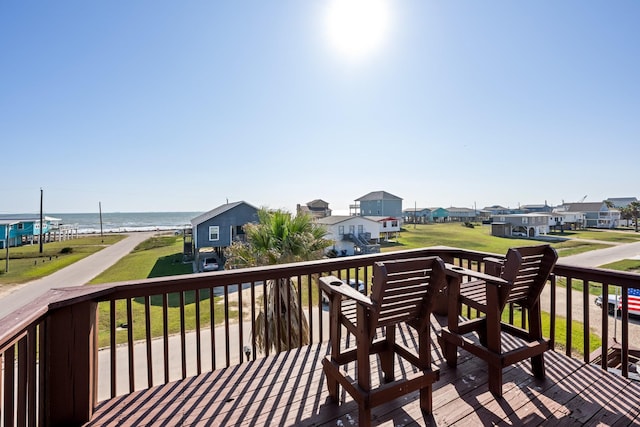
(389, 225)
(352, 235)
(564, 220)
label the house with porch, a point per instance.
(520, 225)
(416, 215)
(20, 229)
(389, 226)
(597, 214)
(352, 235)
(563, 220)
(316, 208)
(377, 203)
(217, 229)
(462, 214)
(439, 214)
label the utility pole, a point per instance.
(6, 243)
(100, 210)
(41, 223)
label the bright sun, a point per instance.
(357, 28)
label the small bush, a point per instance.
(66, 250)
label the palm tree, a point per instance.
(632, 211)
(278, 238)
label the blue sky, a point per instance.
(179, 106)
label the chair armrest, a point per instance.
(456, 270)
(493, 266)
(331, 285)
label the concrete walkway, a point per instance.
(76, 274)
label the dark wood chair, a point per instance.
(519, 280)
(403, 291)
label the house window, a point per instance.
(341, 230)
(352, 229)
(525, 220)
(214, 232)
(394, 223)
(384, 224)
(20, 226)
(360, 229)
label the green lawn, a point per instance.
(26, 263)
(478, 238)
(156, 257)
(614, 236)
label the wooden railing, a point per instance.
(158, 330)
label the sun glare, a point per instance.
(357, 28)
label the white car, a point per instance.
(359, 285)
(210, 264)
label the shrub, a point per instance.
(66, 250)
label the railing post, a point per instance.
(71, 346)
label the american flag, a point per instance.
(634, 300)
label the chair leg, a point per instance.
(364, 415)
(537, 366)
(332, 382)
(426, 399)
(387, 356)
(495, 380)
(449, 351)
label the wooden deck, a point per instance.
(289, 389)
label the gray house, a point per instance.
(597, 214)
(218, 228)
(379, 203)
(417, 215)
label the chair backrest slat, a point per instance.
(403, 290)
(527, 270)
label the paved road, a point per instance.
(604, 256)
(76, 274)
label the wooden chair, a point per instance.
(518, 279)
(403, 291)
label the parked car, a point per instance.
(359, 285)
(210, 264)
(615, 302)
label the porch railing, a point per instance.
(73, 347)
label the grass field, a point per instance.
(26, 263)
(478, 238)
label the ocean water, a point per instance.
(119, 222)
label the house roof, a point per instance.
(26, 217)
(378, 195)
(620, 202)
(381, 218)
(454, 209)
(336, 219)
(317, 203)
(415, 209)
(584, 207)
(218, 211)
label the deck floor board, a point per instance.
(290, 389)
